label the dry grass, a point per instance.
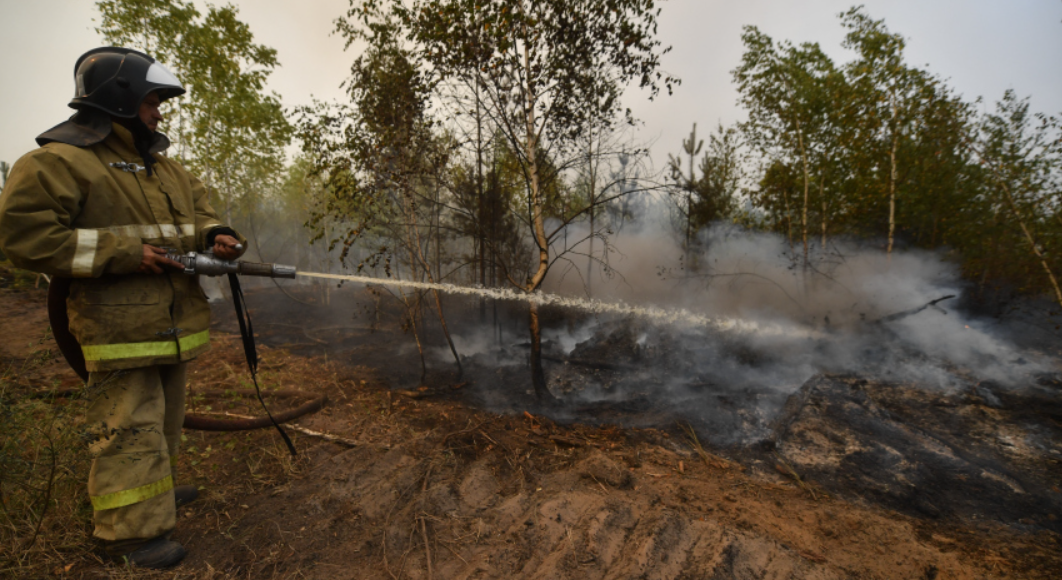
(45, 515)
(710, 460)
(44, 511)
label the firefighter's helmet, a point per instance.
(115, 80)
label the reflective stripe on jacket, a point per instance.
(85, 213)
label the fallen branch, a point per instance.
(299, 428)
(201, 423)
(906, 313)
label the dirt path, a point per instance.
(436, 488)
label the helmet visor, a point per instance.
(163, 81)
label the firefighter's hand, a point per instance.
(225, 247)
(154, 261)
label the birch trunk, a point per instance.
(1029, 238)
(538, 375)
(822, 196)
(892, 181)
(804, 217)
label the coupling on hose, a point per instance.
(207, 264)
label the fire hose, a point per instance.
(205, 264)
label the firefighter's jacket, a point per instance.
(85, 213)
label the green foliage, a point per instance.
(699, 201)
(879, 149)
(1019, 181)
(793, 94)
(568, 61)
(377, 156)
(540, 75)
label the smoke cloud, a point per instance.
(845, 313)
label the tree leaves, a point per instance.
(876, 148)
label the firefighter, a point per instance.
(96, 204)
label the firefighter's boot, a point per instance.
(157, 554)
(185, 494)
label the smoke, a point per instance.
(835, 307)
(721, 335)
(841, 314)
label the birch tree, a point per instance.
(550, 69)
(784, 88)
(890, 98)
(1022, 156)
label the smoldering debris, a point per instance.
(856, 315)
(981, 454)
(728, 385)
(863, 412)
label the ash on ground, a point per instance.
(863, 412)
(929, 415)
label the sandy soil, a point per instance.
(428, 484)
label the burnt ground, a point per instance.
(840, 475)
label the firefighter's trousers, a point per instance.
(134, 429)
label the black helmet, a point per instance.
(115, 81)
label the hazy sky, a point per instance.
(982, 46)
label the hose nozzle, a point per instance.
(206, 264)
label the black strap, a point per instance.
(247, 333)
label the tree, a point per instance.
(894, 153)
(227, 123)
(710, 197)
(687, 187)
(381, 162)
(1022, 157)
(890, 97)
(787, 90)
(544, 72)
(938, 185)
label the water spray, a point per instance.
(673, 316)
(207, 264)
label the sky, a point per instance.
(983, 47)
